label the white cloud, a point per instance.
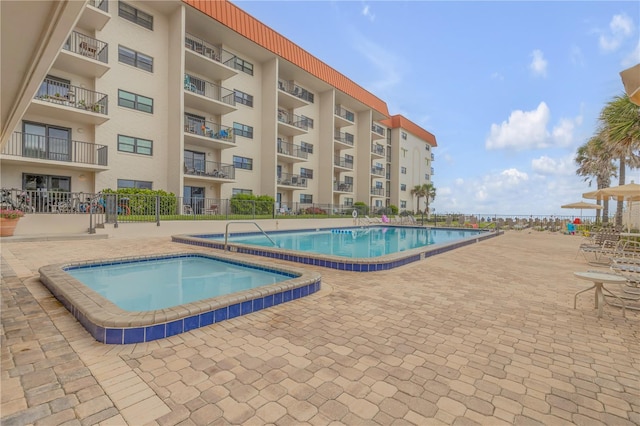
(366, 12)
(387, 66)
(620, 27)
(528, 130)
(497, 76)
(545, 165)
(511, 177)
(632, 58)
(538, 64)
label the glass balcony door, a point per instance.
(46, 142)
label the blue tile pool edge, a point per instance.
(110, 324)
(381, 263)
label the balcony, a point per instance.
(432, 157)
(209, 170)
(343, 117)
(377, 131)
(64, 101)
(95, 15)
(208, 134)
(291, 153)
(83, 55)
(377, 150)
(377, 192)
(377, 171)
(432, 171)
(28, 148)
(343, 186)
(206, 59)
(291, 180)
(292, 96)
(209, 97)
(291, 124)
(344, 139)
(343, 162)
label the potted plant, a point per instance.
(8, 221)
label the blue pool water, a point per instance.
(356, 243)
(146, 285)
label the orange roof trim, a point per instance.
(241, 22)
(401, 122)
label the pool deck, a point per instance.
(484, 334)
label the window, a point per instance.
(348, 158)
(135, 145)
(46, 142)
(133, 101)
(348, 201)
(306, 198)
(134, 15)
(306, 173)
(306, 147)
(403, 204)
(427, 147)
(378, 185)
(242, 65)
(404, 135)
(243, 98)
(236, 191)
(136, 59)
(403, 187)
(403, 170)
(47, 182)
(242, 162)
(130, 183)
(243, 130)
(306, 121)
(195, 162)
(348, 180)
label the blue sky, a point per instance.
(509, 89)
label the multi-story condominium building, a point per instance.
(200, 99)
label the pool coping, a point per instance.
(110, 324)
(380, 263)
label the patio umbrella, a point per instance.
(581, 205)
(629, 192)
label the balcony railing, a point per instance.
(103, 5)
(378, 171)
(346, 114)
(377, 149)
(212, 169)
(343, 162)
(292, 180)
(287, 148)
(432, 157)
(87, 46)
(345, 138)
(377, 129)
(295, 90)
(208, 129)
(293, 119)
(377, 191)
(61, 93)
(28, 145)
(343, 186)
(432, 171)
(208, 50)
(209, 90)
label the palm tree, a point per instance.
(620, 120)
(429, 194)
(595, 162)
(418, 191)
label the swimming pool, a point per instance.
(112, 324)
(361, 249)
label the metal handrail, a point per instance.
(226, 233)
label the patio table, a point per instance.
(599, 279)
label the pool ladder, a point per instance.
(226, 233)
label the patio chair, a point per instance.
(602, 247)
(627, 264)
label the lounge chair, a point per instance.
(602, 247)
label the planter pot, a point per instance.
(7, 226)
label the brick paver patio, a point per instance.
(485, 334)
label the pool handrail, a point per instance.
(226, 233)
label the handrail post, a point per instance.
(226, 233)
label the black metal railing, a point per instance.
(287, 148)
(379, 130)
(377, 191)
(213, 169)
(208, 129)
(343, 162)
(295, 90)
(293, 119)
(60, 93)
(378, 171)
(208, 50)
(344, 113)
(209, 90)
(345, 138)
(343, 186)
(27, 145)
(87, 46)
(290, 179)
(377, 149)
